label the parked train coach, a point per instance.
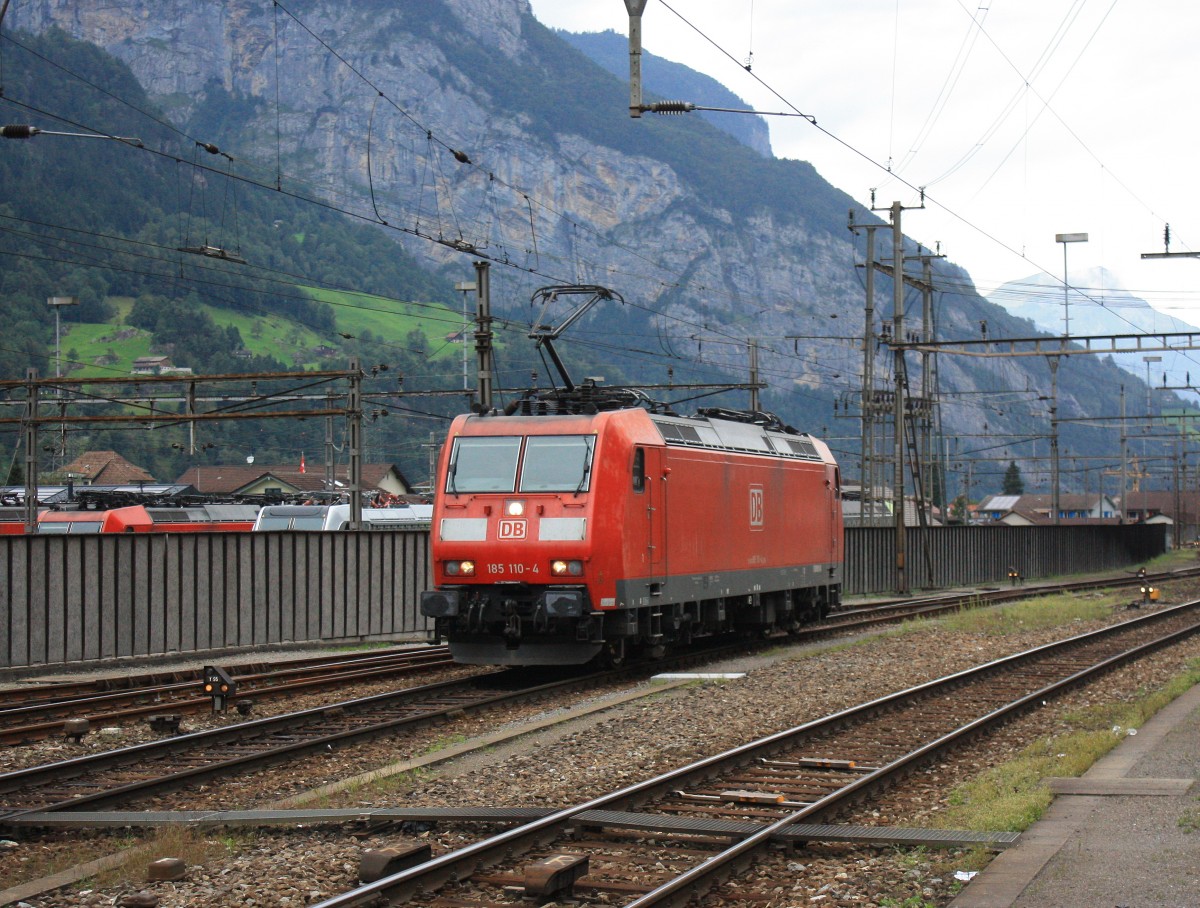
(558, 539)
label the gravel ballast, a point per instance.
(609, 750)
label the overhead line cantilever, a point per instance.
(1060, 346)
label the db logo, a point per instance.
(512, 529)
(756, 506)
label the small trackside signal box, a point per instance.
(219, 686)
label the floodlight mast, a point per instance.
(546, 334)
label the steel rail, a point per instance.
(313, 678)
(57, 691)
(683, 888)
(215, 740)
(219, 738)
(459, 864)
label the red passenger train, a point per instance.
(162, 509)
(565, 537)
(136, 518)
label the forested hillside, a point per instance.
(346, 149)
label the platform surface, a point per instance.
(1124, 835)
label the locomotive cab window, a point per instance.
(483, 464)
(639, 469)
(557, 463)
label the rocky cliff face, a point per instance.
(365, 103)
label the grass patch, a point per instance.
(1034, 614)
(1176, 558)
(387, 318)
(401, 783)
(36, 863)
(1014, 795)
(193, 845)
(443, 743)
(1190, 821)
(365, 646)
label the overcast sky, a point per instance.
(1023, 118)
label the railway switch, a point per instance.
(219, 686)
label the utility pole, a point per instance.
(753, 343)
(483, 336)
(1124, 458)
(898, 441)
(870, 404)
(1055, 474)
(330, 475)
(925, 410)
(354, 415)
(898, 429)
(1177, 498)
(31, 448)
(433, 455)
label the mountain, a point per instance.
(1096, 307)
(466, 130)
(1093, 301)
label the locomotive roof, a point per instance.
(703, 432)
(744, 433)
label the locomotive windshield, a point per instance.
(557, 463)
(552, 463)
(484, 464)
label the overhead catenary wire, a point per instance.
(537, 262)
(931, 199)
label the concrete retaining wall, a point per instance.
(82, 598)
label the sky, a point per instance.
(1023, 119)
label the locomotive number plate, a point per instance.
(512, 568)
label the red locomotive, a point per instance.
(561, 534)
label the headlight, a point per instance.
(514, 508)
(460, 568)
(563, 568)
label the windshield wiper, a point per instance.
(587, 468)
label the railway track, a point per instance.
(663, 841)
(882, 611)
(127, 774)
(124, 775)
(37, 712)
